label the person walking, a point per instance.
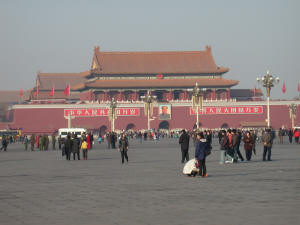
(280, 135)
(235, 145)
(290, 134)
(268, 142)
(239, 133)
(108, 138)
(26, 141)
(41, 146)
(113, 140)
(4, 143)
(223, 146)
(88, 140)
(184, 141)
(248, 145)
(200, 154)
(84, 148)
(123, 147)
(46, 142)
(76, 147)
(296, 135)
(59, 142)
(91, 139)
(68, 147)
(53, 141)
(32, 141)
(37, 141)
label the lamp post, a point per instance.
(268, 82)
(197, 101)
(148, 106)
(293, 113)
(112, 113)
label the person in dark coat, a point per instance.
(113, 140)
(267, 140)
(59, 142)
(68, 147)
(200, 154)
(91, 139)
(53, 142)
(76, 147)
(108, 138)
(248, 145)
(4, 143)
(235, 145)
(184, 141)
(290, 134)
(32, 141)
(123, 147)
(223, 146)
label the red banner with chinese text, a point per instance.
(90, 112)
(228, 110)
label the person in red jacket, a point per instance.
(88, 140)
(297, 135)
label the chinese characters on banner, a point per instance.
(229, 110)
(101, 112)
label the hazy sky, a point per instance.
(249, 37)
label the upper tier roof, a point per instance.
(171, 62)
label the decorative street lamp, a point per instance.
(197, 101)
(112, 113)
(148, 106)
(293, 113)
(268, 82)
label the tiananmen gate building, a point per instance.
(126, 77)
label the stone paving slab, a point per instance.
(43, 188)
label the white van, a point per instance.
(64, 131)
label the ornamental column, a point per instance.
(213, 94)
(228, 94)
(105, 96)
(120, 95)
(134, 96)
(170, 98)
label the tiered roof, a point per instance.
(170, 62)
(60, 80)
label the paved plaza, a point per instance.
(41, 188)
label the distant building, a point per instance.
(126, 76)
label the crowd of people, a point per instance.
(230, 141)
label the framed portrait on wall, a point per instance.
(164, 112)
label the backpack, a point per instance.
(84, 145)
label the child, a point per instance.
(84, 147)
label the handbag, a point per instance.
(197, 164)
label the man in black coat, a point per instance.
(184, 141)
(123, 147)
(76, 147)
(68, 147)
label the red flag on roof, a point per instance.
(299, 87)
(254, 91)
(283, 89)
(67, 90)
(52, 91)
(21, 93)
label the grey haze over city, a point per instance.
(249, 37)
